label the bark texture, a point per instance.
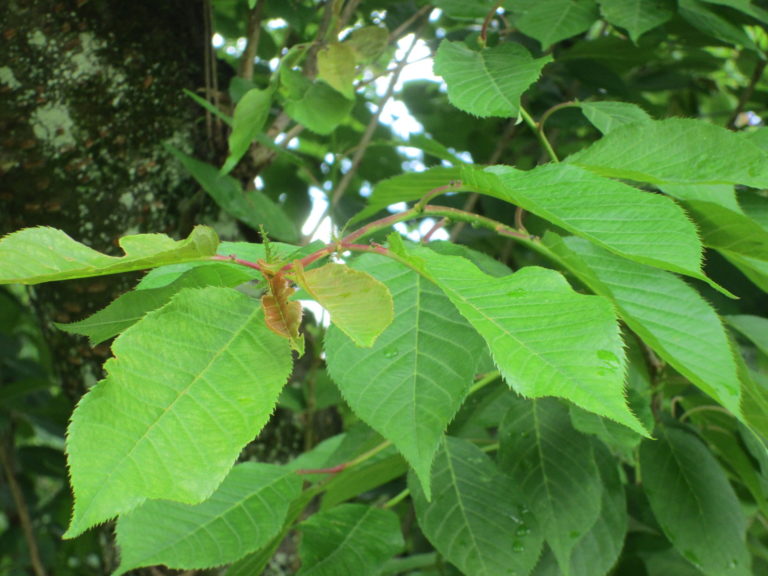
(89, 93)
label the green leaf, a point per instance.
(43, 254)
(555, 469)
(336, 67)
(465, 9)
(251, 114)
(410, 384)
(694, 503)
(476, 518)
(553, 20)
(670, 316)
(676, 150)
(489, 82)
(546, 339)
(637, 16)
(643, 227)
(606, 116)
(709, 22)
(405, 187)
(754, 328)
(132, 306)
(360, 306)
(244, 513)
(252, 207)
(368, 43)
(313, 104)
(725, 227)
(597, 550)
(189, 386)
(349, 539)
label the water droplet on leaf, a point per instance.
(391, 352)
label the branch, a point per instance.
(757, 74)
(23, 511)
(252, 39)
(539, 132)
(365, 141)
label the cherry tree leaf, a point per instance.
(669, 315)
(489, 82)
(134, 305)
(410, 383)
(473, 503)
(189, 386)
(546, 339)
(676, 151)
(244, 513)
(694, 503)
(251, 113)
(349, 539)
(43, 254)
(360, 306)
(336, 67)
(644, 227)
(553, 20)
(555, 469)
(637, 16)
(606, 116)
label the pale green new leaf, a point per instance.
(555, 469)
(643, 227)
(552, 20)
(313, 104)
(43, 254)
(676, 150)
(189, 386)
(251, 113)
(489, 82)
(410, 384)
(360, 306)
(546, 339)
(336, 67)
(132, 306)
(349, 539)
(694, 503)
(252, 207)
(637, 16)
(475, 517)
(244, 513)
(669, 315)
(606, 116)
(367, 43)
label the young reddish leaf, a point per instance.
(360, 305)
(282, 317)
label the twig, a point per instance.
(23, 511)
(501, 145)
(354, 462)
(488, 17)
(757, 74)
(252, 41)
(395, 35)
(365, 141)
(539, 132)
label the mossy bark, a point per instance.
(89, 93)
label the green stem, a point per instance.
(484, 381)
(538, 130)
(395, 500)
(553, 109)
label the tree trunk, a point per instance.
(89, 93)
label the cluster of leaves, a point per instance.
(562, 389)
